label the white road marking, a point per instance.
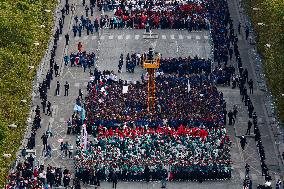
(110, 37)
(60, 38)
(197, 37)
(177, 46)
(164, 37)
(94, 37)
(180, 37)
(102, 37)
(137, 37)
(172, 36)
(85, 37)
(119, 37)
(128, 37)
(205, 37)
(188, 37)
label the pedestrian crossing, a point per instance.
(137, 37)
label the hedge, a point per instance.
(20, 27)
(271, 14)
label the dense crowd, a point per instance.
(108, 106)
(186, 65)
(183, 139)
(186, 142)
(28, 176)
(188, 153)
(140, 14)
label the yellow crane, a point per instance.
(151, 62)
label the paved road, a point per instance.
(108, 45)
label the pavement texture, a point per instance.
(108, 45)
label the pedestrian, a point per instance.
(66, 60)
(66, 86)
(147, 173)
(48, 111)
(235, 111)
(278, 184)
(250, 83)
(87, 10)
(24, 152)
(239, 28)
(66, 180)
(43, 103)
(70, 150)
(48, 151)
(243, 142)
(247, 32)
(31, 160)
(73, 8)
(44, 138)
(80, 46)
(164, 176)
(80, 27)
(247, 170)
(57, 88)
(114, 180)
(225, 116)
(56, 68)
(231, 117)
(92, 3)
(92, 10)
(67, 38)
(67, 6)
(80, 93)
(76, 183)
(75, 29)
(249, 127)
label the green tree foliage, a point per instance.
(271, 13)
(20, 22)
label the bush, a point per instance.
(19, 27)
(271, 13)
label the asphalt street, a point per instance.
(108, 45)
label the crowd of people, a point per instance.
(81, 58)
(188, 153)
(107, 105)
(190, 144)
(185, 65)
(27, 175)
(140, 14)
(184, 138)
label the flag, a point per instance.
(188, 86)
(77, 108)
(83, 114)
(125, 89)
(84, 137)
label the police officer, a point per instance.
(243, 142)
(56, 68)
(66, 86)
(57, 88)
(67, 6)
(67, 38)
(249, 127)
(48, 111)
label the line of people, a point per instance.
(242, 80)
